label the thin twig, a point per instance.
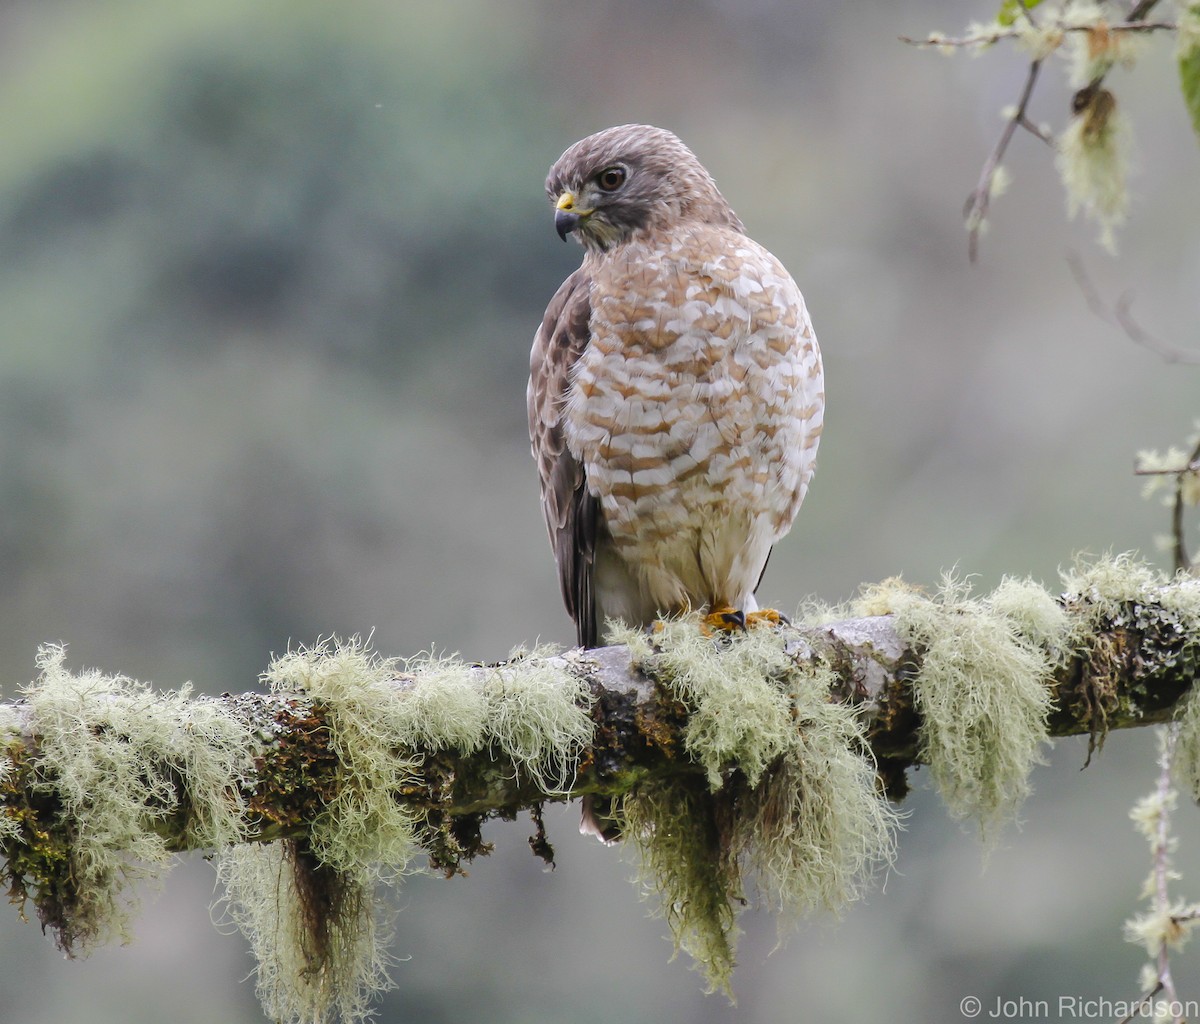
(1191, 467)
(1140, 9)
(998, 34)
(1136, 1012)
(978, 201)
(1090, 295)
(1167, 352)
(1120, 316)
(1183, 561)
(1162, 855)
(982, 40)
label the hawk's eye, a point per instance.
(611, 178)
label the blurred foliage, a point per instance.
(312, 202)
(1189, 61)
(284, 172)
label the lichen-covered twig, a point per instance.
(1183, 561)
(1090, 156)
(992, 34)
(1161, 873)
(1168, 923)
(1185, 468)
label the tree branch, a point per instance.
(639, 727)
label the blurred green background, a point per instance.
(269, 274)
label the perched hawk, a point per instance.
(675, 389)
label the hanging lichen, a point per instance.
(113, 758)
(310, 907)
(784, 808)
(318, 935)
(1186, 765)
(538, 718)
(981, 689)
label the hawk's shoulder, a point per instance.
(572, 514)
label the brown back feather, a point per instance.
(572, 514)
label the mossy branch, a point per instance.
(1130, 675)
(757, 765)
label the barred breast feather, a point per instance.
(695, 411)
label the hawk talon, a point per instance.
(734, 619)
(730, 620)
(723, 620)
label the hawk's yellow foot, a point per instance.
(767, 617)
(723, 620)
(730, 620)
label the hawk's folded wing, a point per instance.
(572, 514)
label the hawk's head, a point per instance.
(611, 185)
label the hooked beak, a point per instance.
(567, 216)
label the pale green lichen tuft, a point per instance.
(528, 709)
(1162, 927)
(10, 724)
(740, 715)
(10, 829)
(363, 828)
(786, 810)
(440, 707)
(816, 829)
(538, 718)
(1039, 40)
(214, 761)
(1107, 584)
(1093, 162)
(117, 755)
(10, 727)
(1037, 616)
(981, 689)
(1103, 589)
(309, 908)
(307, 970)
(1097, 47)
